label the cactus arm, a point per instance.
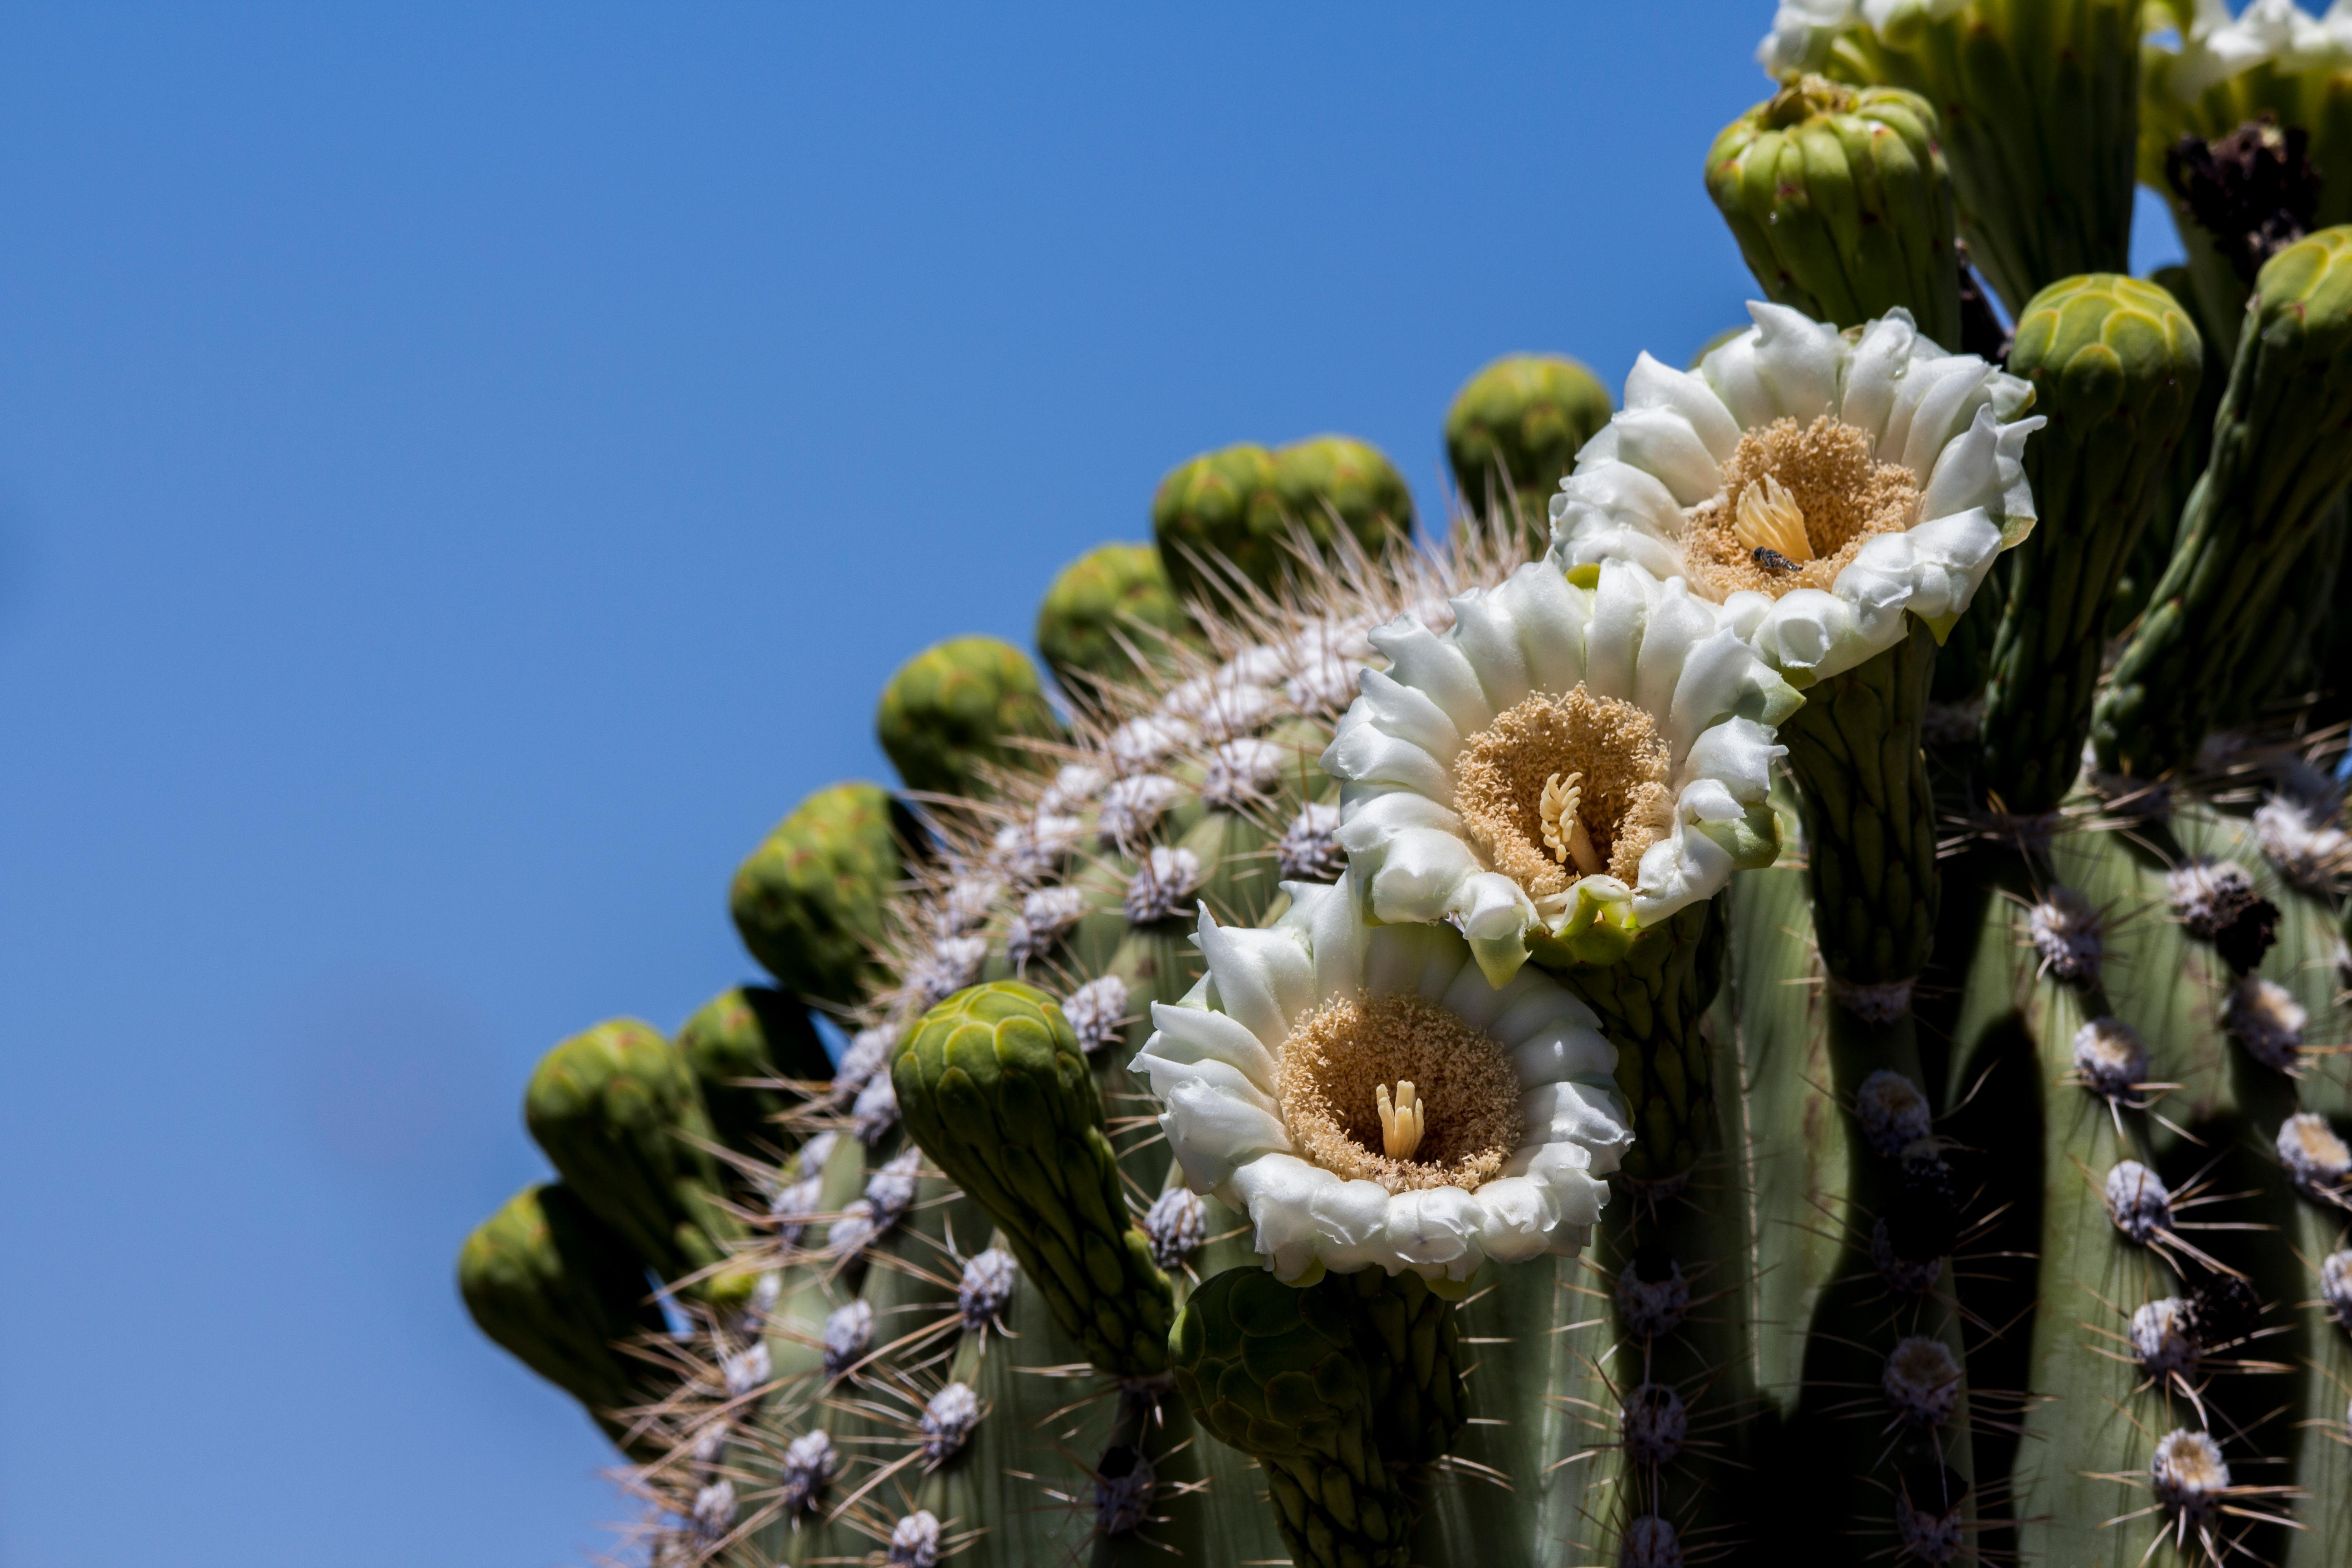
(2116, 365)
(1792, 1134)
(1869, 817)
(2280, 458)
(2088, 1417)
(2323, 1439)
(993, 1087)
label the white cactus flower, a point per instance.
(1561, 764)
(1814, 483)
(2276, 33)
(1803, 30)
(1278, 1071)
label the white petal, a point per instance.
(1810, 632)
(1520, 1217)
(1549, 616)
(1264, 981)
(1214, 1132)
(1740, 753)
(1185, 1035)
(1620, 609)
(1873, 370)
(1407, 714)
(1278, 1191)
(1437, 1228)
(1679, 870)
(1420, 658)
(1678, 622)
(1662, 442)
(1564, 1050)
(1485, 633)
(1656, 386)
(1367, 753)
(1421, 872)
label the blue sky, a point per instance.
(466, 471)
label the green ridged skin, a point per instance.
(618, 1114)
(1841, 205)
(1112, 598)
(2282, 456)
(1240, 505)
(1281, 1374)
(1519, 423)
(2116, 364)
(957, 711)
(993, 1087)
(1869, 814)
(2039, 101)
(751, 1032)
(808, 901)
(557, 1288)
(1650, 1001)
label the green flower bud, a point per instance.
(1240, 506)
(2116, 364)
(1284, 1374)
(1842, 205)
(558, 1288)
(1327, 474)
(751, 1032)
(1113, 597)
(993, 1087)
(1519, 422)
(1218, 506)
(2282, 457)
(620, 1118)
(808, 902)
(957, 711)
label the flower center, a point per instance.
(1451, 1119)
(1797, 503)
(1559, 788)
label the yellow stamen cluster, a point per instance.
(1564, 833)
(1358, 1077)
(1560, 788)
(1771, 519)
(1402, 1121)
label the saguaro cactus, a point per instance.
(1466, 1058)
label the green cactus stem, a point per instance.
(1106, 609)
(1870, 822)
(1518, 423)
(808, 901)
(738, 1045)
(560, 1290)
(619, 1116)
(2115, 364)
(994, 1087)
(1288, 1376)
(1842, 205)
(956, 714)
(2282, 456)
(2040, 106)
(1651, 1002)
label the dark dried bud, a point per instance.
(2254, 190)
